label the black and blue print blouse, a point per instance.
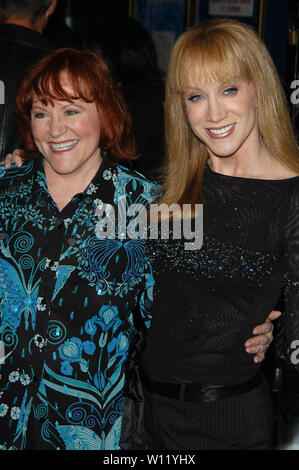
(66, 303)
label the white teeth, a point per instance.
(222, 130)
(64, 146)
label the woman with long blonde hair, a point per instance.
(230, 146)
(221, 50)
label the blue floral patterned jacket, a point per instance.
(66, 302)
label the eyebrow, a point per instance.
(225, 84)
(43, 107)
(193, 89)
(35, 106)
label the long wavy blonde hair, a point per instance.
(220, 50)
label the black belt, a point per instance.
(199, 392)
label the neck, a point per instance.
(63, 187)
(38, 26)
(253, 161)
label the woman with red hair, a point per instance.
(67, 295)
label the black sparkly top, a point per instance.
(208, 301)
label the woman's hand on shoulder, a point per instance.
(14, 157)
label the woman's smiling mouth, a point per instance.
(63, 146)
(220, 132)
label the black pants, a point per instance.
(242, 422)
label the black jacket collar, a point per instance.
(20, 35)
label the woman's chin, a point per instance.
(60, 167)
(61, 170)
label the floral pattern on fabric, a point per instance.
(66, 310)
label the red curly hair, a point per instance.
(92, 82)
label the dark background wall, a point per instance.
(277, 16)
(276, 34)
(275, 22)
(275, 28)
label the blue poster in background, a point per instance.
(161, 15)
(165, 20)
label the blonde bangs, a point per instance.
(220, 60)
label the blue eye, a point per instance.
(39, 115)
(230, 91)
(195, 98)
(71, 112)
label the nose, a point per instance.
(216, 111)
(57, 127)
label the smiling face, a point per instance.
(67, 134)
(223, 116)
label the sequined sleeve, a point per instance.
(146, 297)
(291, 317)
